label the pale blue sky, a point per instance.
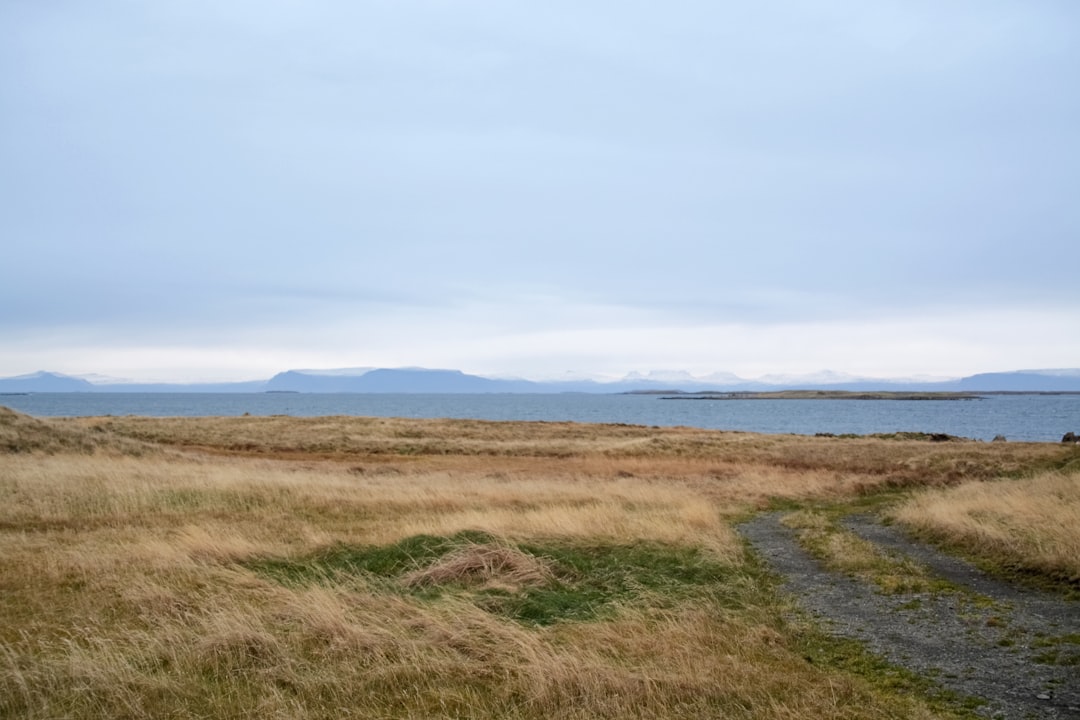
(220, 190)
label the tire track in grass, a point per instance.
(988, 641)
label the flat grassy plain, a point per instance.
(335, 567)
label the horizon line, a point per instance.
(825, 376)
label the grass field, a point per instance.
(358, 567)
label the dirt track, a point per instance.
(987, 650)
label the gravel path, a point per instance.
(982, 649)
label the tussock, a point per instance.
(483, 565)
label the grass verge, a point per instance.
(1024, 528)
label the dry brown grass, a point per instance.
(485, 565)
(327, 503)
(24, 434)
(125, 589)
(731, 466)
(1031, 524)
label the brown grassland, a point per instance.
(379, 568)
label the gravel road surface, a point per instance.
(992, 641)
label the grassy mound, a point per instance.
(21, 433)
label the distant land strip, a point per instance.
(813, 395)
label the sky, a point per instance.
(195, 190)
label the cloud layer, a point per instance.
(203, 190)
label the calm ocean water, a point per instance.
(1043, 418)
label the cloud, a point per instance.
(183, 175)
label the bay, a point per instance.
(1039, 418)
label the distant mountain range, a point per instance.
(423, 380)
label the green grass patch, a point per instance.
(585, 581)
(592, 579)
(375, 560)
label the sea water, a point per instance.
(1042, 418)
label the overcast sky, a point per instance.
(207, 190)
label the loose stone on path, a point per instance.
(986, 650)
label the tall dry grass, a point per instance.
(126, 588)
(339, 652)
(21, 433)
(347, 436)
(286, 504)
(729, 466)
(1032, 523)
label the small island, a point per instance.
(813, 395)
